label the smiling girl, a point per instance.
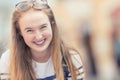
(36, 51)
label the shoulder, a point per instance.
(4, 61)
(76, 59)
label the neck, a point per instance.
(41, 57)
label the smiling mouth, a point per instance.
(40, 42)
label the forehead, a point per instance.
(32, 12)
(33, 16)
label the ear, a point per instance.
(52, 23)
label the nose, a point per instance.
(38, 35)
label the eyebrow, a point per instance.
(28, 28)
(43, 24)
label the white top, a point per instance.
(44, 71)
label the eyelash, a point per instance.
(29, 30)
(43, 26)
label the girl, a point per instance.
(36, 50)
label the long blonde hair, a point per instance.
(21, 58)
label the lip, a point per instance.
(40, 43)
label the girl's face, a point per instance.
(36, 30)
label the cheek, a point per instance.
(27, 38)
(48, 34)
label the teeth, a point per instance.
(41, 42)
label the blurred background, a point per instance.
(90, 26)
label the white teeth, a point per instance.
(40, 42)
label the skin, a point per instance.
(36, 31)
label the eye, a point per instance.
(44, 26)
(29, 30)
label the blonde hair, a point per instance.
(21, 58)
